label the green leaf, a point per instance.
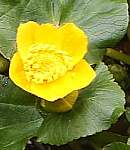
(12, 13)
(19, 97)
(19, 119)
(4, 65)
(104, 138)
(93, 112)
(117, 146)
(105, 24)
(128, 113)
(16, 146)
(95, 56)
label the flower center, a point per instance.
(45, 63)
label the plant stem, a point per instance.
(118, 55)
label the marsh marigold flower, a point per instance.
(49, 60)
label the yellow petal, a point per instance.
(48, 34)
(74, 41)
(26, 37)
(16, 72)
(78, 78)
(68, 38)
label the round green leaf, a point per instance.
(94, 111)
(104, 24)
(12, 13)
(19, 119)
(95, 56)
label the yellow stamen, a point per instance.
(45, 63)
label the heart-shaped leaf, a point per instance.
(97, 107)
(19, 119)
(104, 24)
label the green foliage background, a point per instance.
(98, 106)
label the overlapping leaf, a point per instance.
(97, 107)
(19, 119)
(104, 24)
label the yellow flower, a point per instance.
(49, 60)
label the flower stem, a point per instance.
(118, 55)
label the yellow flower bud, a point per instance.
(62, 105)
